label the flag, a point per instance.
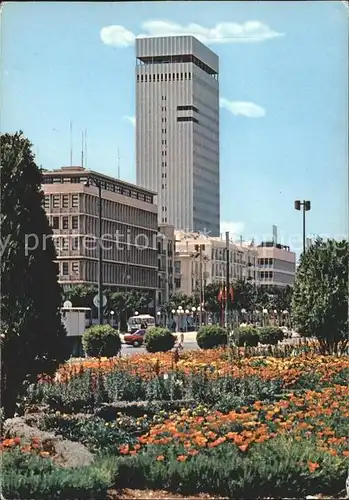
(232, 294)
(220, 295)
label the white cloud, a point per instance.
(226, 32)
(131, 119)
(117, 35)
(235, 229)
(243, 108)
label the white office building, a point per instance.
(177, 130)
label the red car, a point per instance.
(136, 339)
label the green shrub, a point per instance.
(277, 469)
(26, 476)
(270, 335)
(246, 335)
(101, 340)
(159, 339)
(209, 337)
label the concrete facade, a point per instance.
(177, 130)
(242, 262)
(276, 265)
(166, 254)
(129, 222)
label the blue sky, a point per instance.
(284, 96)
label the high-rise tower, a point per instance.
(177, 130)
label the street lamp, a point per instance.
(136, 313)
(306, 207)
(158, 315)
(98, 184)
(112, 317)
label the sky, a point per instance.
(283, 98)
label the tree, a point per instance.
(32, 335)
(320, 297)
(125, 304)
(180, 299)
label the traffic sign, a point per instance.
(96, 300)
(67, 304)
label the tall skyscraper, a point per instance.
(177, 130)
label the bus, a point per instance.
(135, 323)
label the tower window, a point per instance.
(157, 78)
(141, 78)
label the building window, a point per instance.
(137, 78)
(141, 78)
(65, 244)
(56, 201)
(145, 78)
(187, 119)
(177, 282)
(187, 108)
(65, 223)
(65, 200)
(75, 222)
(65, 268)
(75, 243)
(157, 78)
(75, 267)
(55, 222)
(75, 200)
(189, 76)
(47, 202)
(163, 98)
(163, 131)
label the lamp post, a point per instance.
(98, 184)
(187, 312)
(265, 314)
(243, 312)
(306, 205)
(194, 317)
(112, 318)
(173, 315)
(159, 316)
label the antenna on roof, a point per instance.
(71, 142)
(82, 148)
(85, 145)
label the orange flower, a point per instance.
(160, 458)
(346, 453)
(44, 454)
(182, 458)
(313, 466)
(243, 447)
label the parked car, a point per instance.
(136, 339)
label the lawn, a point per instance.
(234, 423)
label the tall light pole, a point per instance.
(198, 253)
(98, 184)
(227, 277)
(306, 205)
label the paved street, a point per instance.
(189, 344)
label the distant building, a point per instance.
(129, 228)
(177, 130)
(276, 265)
(166, 254)
(242, 262)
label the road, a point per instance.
(188, 344)
(127, 350)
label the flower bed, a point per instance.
(250, 426)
